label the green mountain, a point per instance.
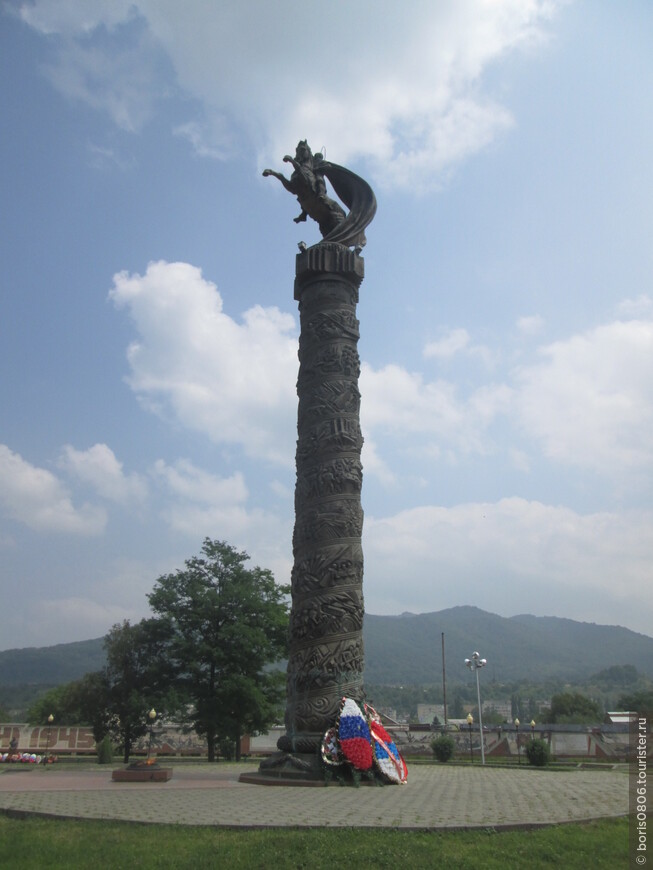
(407, 649)
(51, 665)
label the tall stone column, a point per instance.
(326, 629)
(325, 659)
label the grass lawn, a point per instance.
(75, 845)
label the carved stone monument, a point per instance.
(326, 624)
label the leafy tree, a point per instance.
(617, 675)
(493, 717)
(115, 701)
(138, 677)
(567, 707)
(81, 702)
(226, 622)
(641, 702)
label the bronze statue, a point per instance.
(308, 185)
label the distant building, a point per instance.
(503, 707)
(427, 712)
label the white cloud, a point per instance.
(116, 72)
(281, 77)
(69, 17)
(641, 307)
(35, 497)
(402, 402)
(232, 381)
(510, 556)
(99, 467)
(207, 142)
(187, 481)
(590, 400)
(530, 325)
(456, 340)
(200, 504)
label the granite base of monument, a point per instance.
(142, 773)
(299, 769)
(284, 768)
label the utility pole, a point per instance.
(444, 685)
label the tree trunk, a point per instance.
(127, 749)
(238, 743)
(210, 739)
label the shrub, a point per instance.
(443, 747)
(105, 751)
(537, 752)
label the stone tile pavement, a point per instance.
(439, 796)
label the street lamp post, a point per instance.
(470, 719)
(518, 746)
(475, 664)
(47, 742)
(532, 730)
(151, 716)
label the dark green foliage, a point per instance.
(105, 751)
(226, 623)
(82, 702)
(537, 752)
(572, 707)
(617, 675)
(137, 677)
(51, 665)
(640, 702)
(227, 748)
(115, 701)
(443, 747)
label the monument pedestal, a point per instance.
(142, 774)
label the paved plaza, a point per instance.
(436, 796)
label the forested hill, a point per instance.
(51, 665)
(407, 649)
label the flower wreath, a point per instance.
(387, 757)
(354, 735)
(330, 749)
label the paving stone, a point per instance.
(439, 796)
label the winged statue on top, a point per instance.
(308, 184)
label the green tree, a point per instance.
(226, 623)
(138, 677)
(81, 702)
(640, 702)
(617, 675)
(568, 707)
(116, 700)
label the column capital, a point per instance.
(325, 260)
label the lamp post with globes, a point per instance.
(151, 716)
(470, 719)
(532, 730)
(47, 742)
(475, 664)
(518, 745)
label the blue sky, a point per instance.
(149, 333)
